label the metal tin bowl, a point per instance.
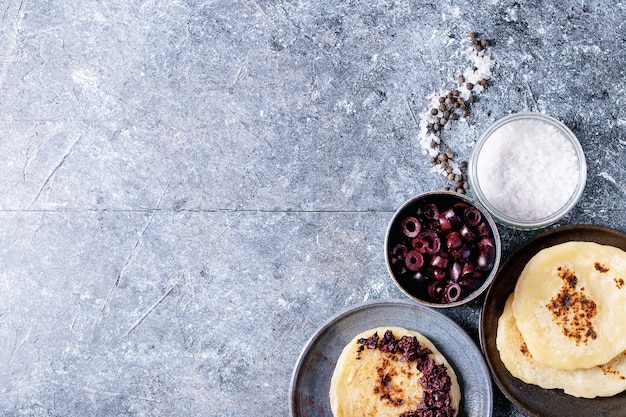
(405, 279)
(503, 189)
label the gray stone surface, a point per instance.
(189, 189)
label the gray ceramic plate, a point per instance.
(533, 400)
(310, 382)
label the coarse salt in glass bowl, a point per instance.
(528, 170)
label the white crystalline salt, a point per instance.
(527, 169)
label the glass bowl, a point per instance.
(442, 249)
(528, 170)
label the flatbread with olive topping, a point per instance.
(389, 372)
(599, 381)
(570, 305)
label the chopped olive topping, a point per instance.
(435, 380)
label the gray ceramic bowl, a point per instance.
(442, 249)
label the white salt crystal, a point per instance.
(527, 169)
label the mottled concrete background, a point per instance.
(189, 189)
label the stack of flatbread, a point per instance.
(564, 326)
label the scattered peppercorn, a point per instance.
(449, 107)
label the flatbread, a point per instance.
(599, 381)
(369, 382)
(570, 305)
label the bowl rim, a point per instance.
(496, 238)
(509, 221)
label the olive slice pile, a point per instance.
(441, 251)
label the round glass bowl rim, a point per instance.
(496, 240)
(508, 220)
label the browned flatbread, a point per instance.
(599, 381)
(570, 305)
(374, 377)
